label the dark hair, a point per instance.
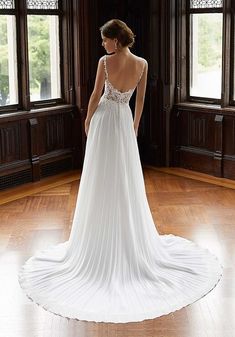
(118, 29)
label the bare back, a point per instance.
(124, 72)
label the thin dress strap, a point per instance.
(142, 71)
(105, 67)
(106, 71)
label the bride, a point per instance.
(115, 267)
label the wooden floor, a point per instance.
(42, 214)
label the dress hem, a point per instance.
(130, 317)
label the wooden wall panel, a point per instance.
(229, 147)
(38, 144)
(34, 148)
(201, 130)
(9, 142)
(229, 141)
(205, 140)
(195, 140)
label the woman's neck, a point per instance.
(123, 51)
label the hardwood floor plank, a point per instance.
(194, 209)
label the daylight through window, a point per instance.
(206, 55)
(44, 57)
(8, 61)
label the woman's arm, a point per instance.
(96, 93)
(140, 95)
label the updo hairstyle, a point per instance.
(118, 29)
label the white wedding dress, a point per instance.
(115, 267)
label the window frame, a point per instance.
(51, 101)
(228, 58)
(232, 57)
(66, 68)
(189, 11)
(13, 107)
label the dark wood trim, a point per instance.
(225, 94)
(187, 37)
(232, 57)
(206, 108)
(44, 11)
(7, 11)
(205, 10)
(22, 40)
(218, 147)
(46, 103)
(181, 64)
(169, 79)
(34, 148)
(168, 41)
(81, 51)
(66, 53)
(34, 113)
(204, 100)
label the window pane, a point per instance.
(8, 61)
(206, 55)
(7, 4)
(44, 58)
(42, 4)
(206, 3)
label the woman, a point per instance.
(115, 267)
(126, 70)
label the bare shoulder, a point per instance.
(143, 60)
(101, 63)
(101, 59)
(140, 60)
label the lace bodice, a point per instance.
(111, 93)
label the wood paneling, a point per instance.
(205, 140)
(42, 142)
(9, 142)
(218, 146)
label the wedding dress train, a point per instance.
(115, 267)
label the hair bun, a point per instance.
(118, 29)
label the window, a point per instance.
(206, 55)
(233, 53)
(34, 55)
(44, 57)
(8, 61)
(205, 49)
(8, 57)
(205, 59)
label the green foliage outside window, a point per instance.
(39, 51)
(209, 41)
(4, 77)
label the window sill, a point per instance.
(23, 114)
(230, 110)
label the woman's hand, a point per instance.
(87, 123)
(136, 129)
